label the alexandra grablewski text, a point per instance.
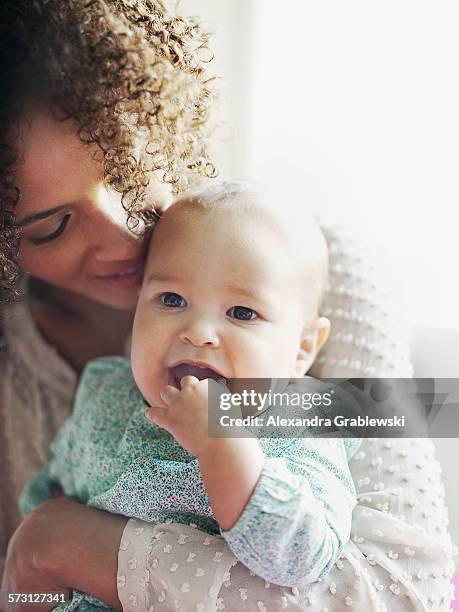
(306, 407)
(275, 420)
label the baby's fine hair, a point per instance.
(298, 226)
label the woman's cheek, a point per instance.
(60, 267)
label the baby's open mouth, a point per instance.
(188, 369)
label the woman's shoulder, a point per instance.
(34, 379)
(29, 354)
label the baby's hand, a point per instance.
(185, 414)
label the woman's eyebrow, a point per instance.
(39, 216)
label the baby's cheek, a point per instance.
(150, 388)
(284, 358)
(140, 369)
(268, 363)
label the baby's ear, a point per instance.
(314, 337)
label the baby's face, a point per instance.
(220, 299)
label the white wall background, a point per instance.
(361, 100)
(356, 104)
(230, 22)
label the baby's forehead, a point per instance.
(249, 216)
(248, 208)
(234, 222)
(251, 238)
(251, 209)
(214, 203)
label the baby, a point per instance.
(231, 290)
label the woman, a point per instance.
(105, 109)
(128, 80)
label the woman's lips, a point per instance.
(127, 279)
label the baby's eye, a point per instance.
(172, 300)
(241, 313)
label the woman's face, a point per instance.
(73, 228)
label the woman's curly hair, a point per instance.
(129, 73)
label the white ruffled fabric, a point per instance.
(399, 558)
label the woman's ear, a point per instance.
(314, 337)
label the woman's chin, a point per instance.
(118, 300)
(66, 293)
(126, 304)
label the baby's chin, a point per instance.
(150, 395)
(153, 399)
(147, 381)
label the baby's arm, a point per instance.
(299, 517)
(286, 517)
(230, 467)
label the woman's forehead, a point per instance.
(45, 142)
(53, 162)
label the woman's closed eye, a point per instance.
(172, 300)
(241, 313)
(37, 240)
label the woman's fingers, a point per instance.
(38, 558)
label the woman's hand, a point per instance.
(26, 567)
(64, 545)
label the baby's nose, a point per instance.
(200, 334)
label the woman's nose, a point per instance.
(114, 245)
(111, 238)
(200, 334)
